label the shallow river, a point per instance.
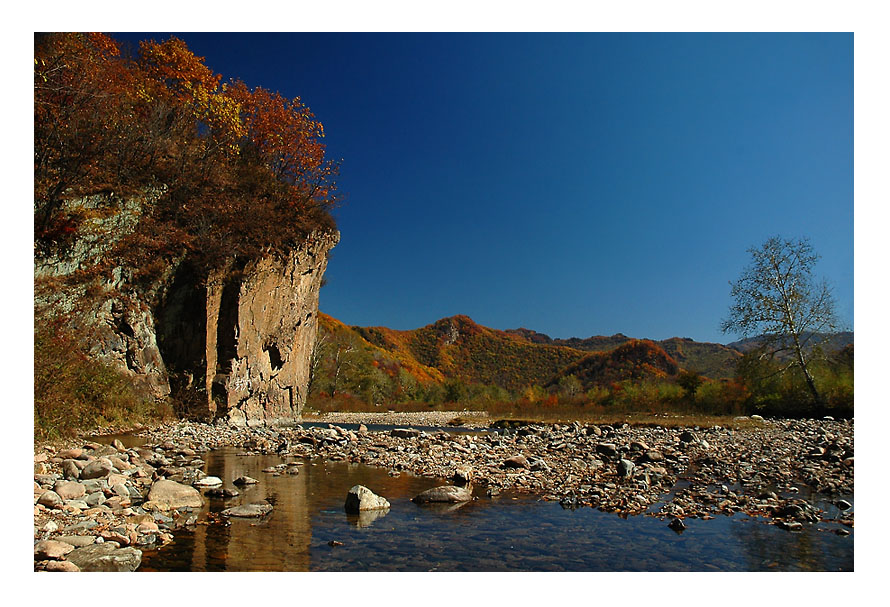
(509, 533)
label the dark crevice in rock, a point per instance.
(226, 328)
(274, 356)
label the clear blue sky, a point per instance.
(575, 184)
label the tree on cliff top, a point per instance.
(777, 299)
(243, 171)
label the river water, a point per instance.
(513, 532)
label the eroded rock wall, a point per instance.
(240, 342)
(275, 328)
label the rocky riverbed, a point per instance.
(96, 506)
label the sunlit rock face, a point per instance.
(260, 333)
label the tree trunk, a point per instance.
(811, 383)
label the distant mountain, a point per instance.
(712, 360)
(459, 348)
(830, 342)
(637, 359)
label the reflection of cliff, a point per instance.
(277, 542)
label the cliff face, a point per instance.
(234, 345)
(260, 333)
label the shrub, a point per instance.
(74, 393)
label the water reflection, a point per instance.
(309, 530)
(366, 517)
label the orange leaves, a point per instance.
(174, 64)
(243, 171)
(196, 87)
(287, 138)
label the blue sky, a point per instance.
(575, 184)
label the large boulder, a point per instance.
(107, 556)
(360, 498)
(447, 494)
(175, 495)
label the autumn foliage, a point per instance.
(240, 172)
(636, 360)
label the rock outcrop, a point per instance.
(258, 363)
(234, 345)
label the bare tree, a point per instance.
(777, 299)
(341, 362)
(315, 358)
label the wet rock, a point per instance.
(625, 468)
(254, 510)
(677, 525)
(789, 525)
(223, 493)
(245, 480)
(360, 498)
(107, 556)
(175, 495)
(444, 494)
(687, 437)
(843, 505)
(208, 481)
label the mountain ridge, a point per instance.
(456, 348)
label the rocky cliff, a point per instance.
(233, 345)
(260, 331)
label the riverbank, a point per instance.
(468, 419)
(109, 501)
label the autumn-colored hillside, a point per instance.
(454, 348)
(456, 360)
(636, 360)
(459, 349)
(712, 360)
